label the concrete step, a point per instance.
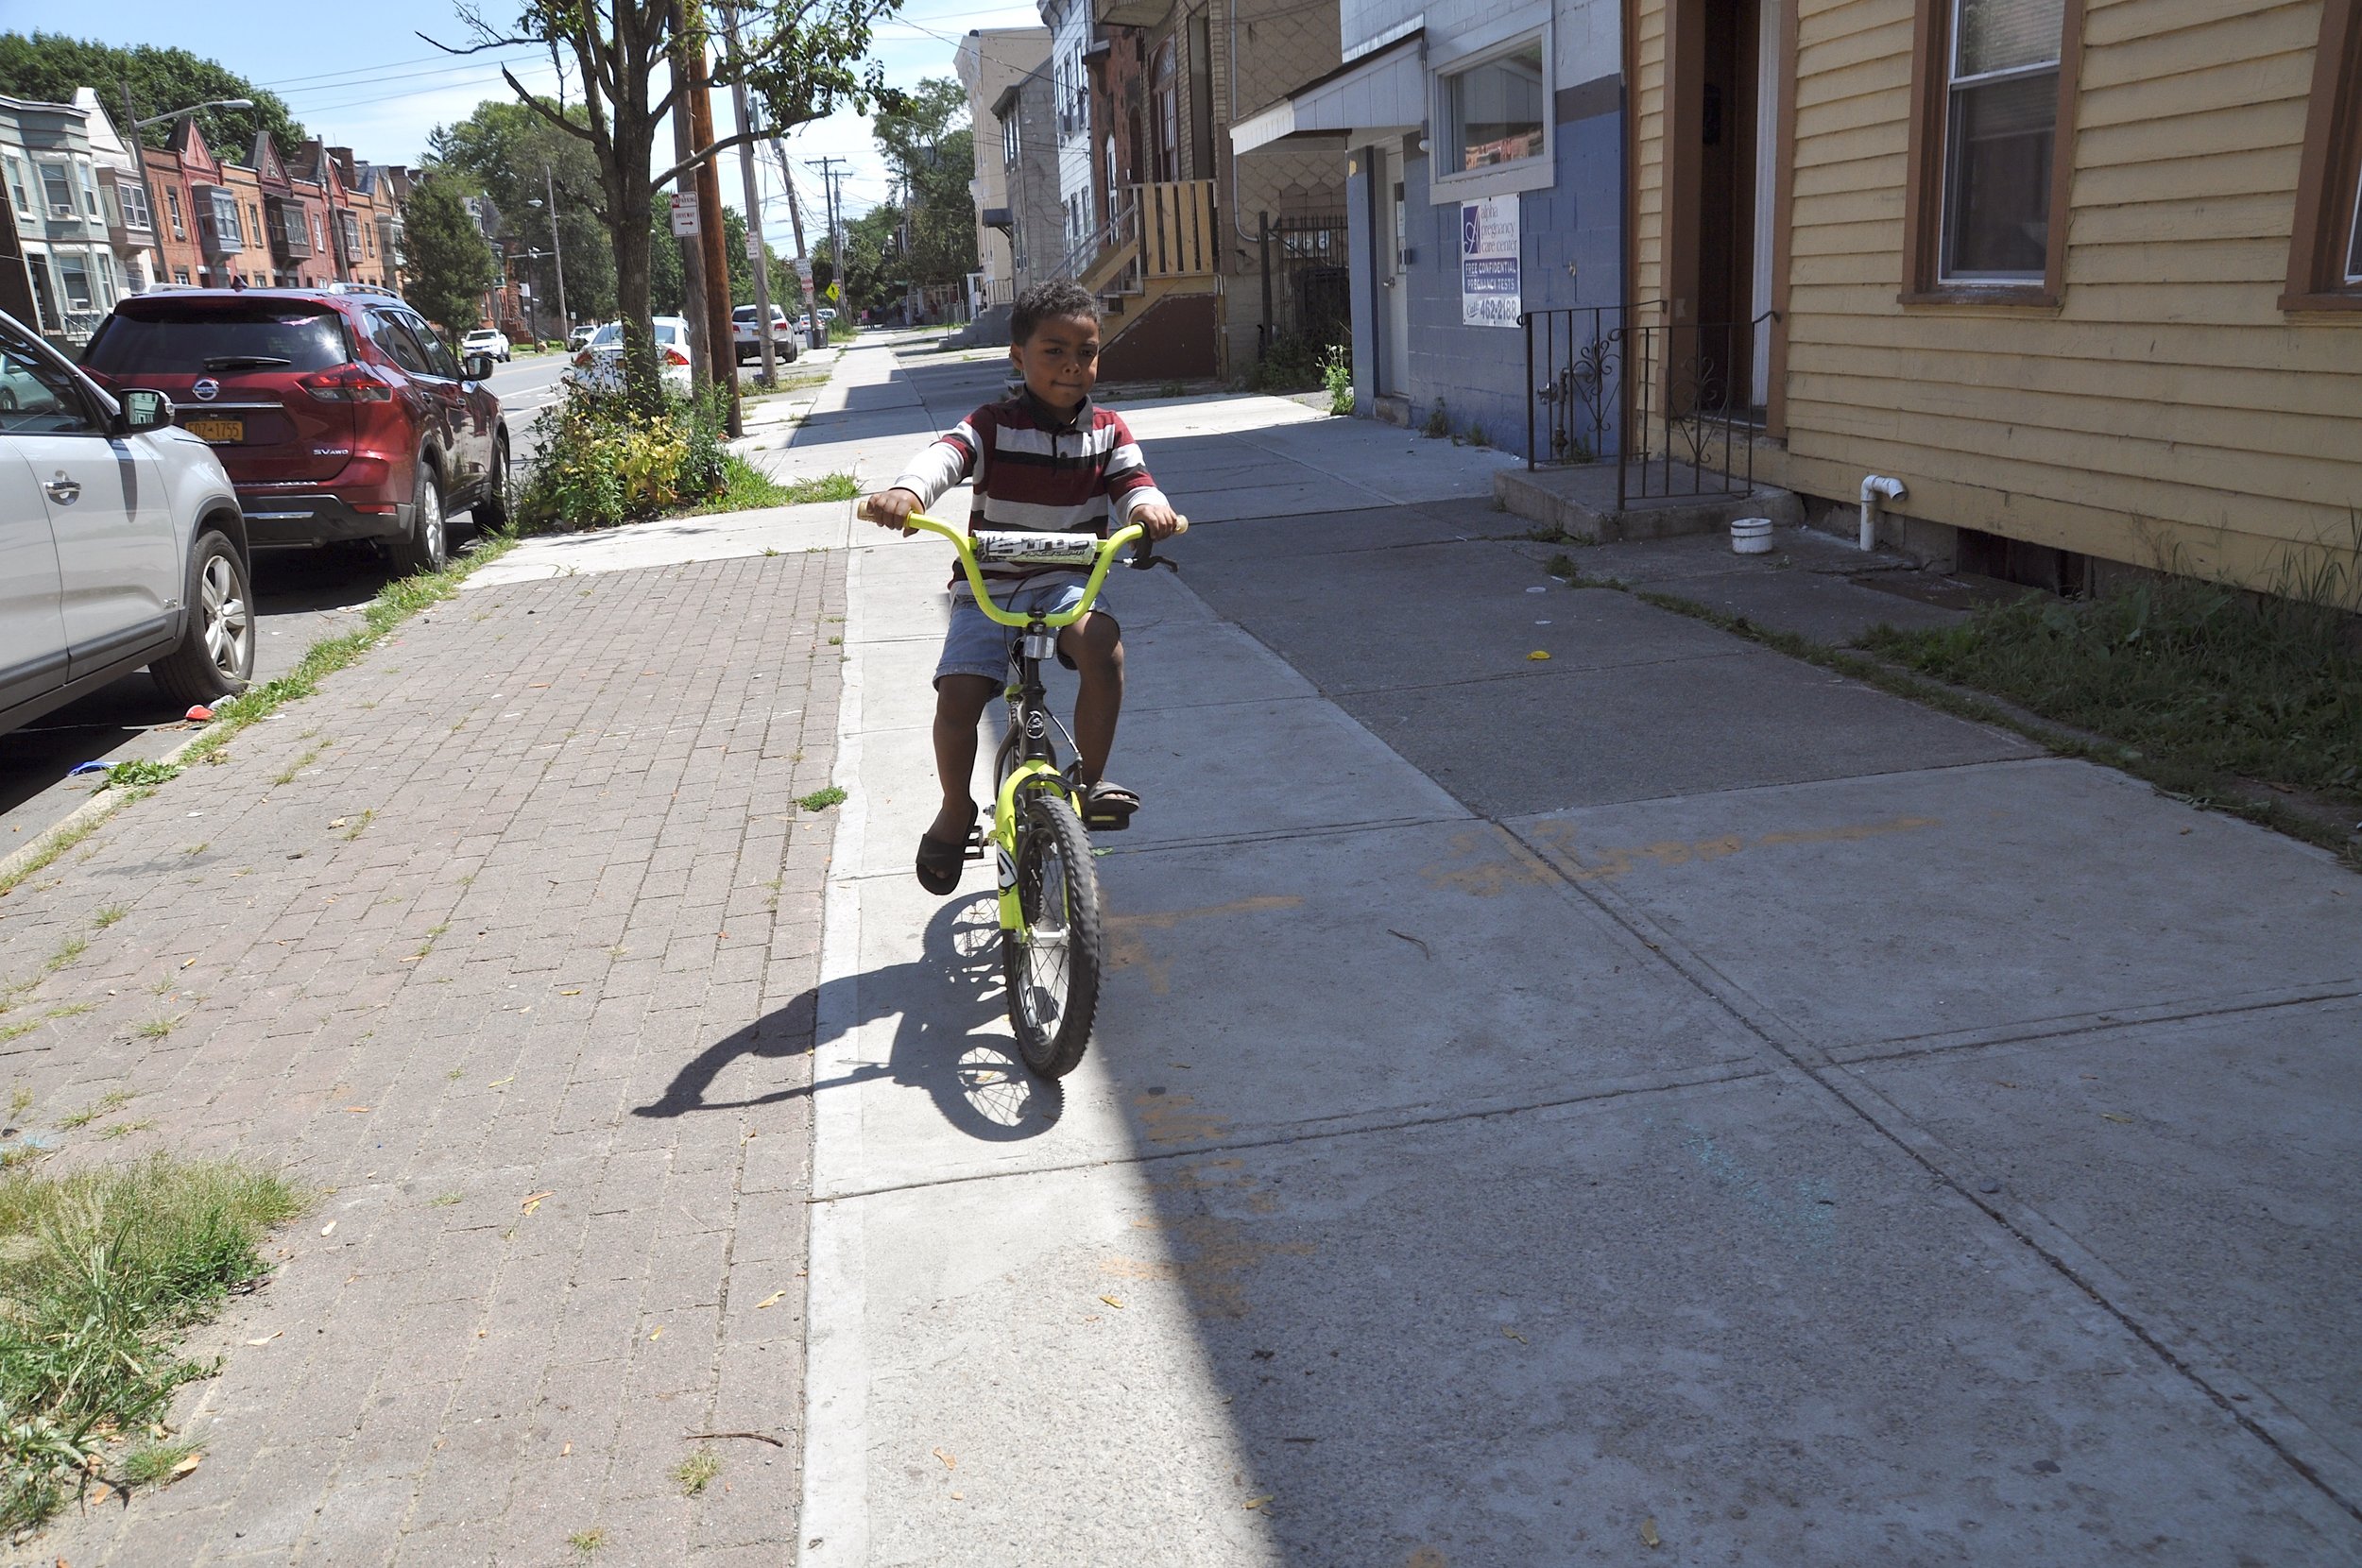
(1580, 502)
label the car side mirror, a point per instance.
(478, 366)
(144, 409)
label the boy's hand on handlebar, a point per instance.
(891, 508)
(1160, 523)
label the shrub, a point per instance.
(603, 462)
(1290, 364)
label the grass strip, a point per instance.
(101, 1272)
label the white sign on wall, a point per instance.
(1490, 287)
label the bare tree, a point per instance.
(800, 60)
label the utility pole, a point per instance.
(828, 178)
(565, 322)
(757, 252)
(692, 255)
(712, 232)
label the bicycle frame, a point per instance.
(1037, 766)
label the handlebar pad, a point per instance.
(1050, 547)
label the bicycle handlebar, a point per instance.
(1018, 546)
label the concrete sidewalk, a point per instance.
(1659, 1102)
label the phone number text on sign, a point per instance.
(1491, 289)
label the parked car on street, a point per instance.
(338, 415)
(120, 542)
(599, 366)
(486, 340)
(749, 347)
(580, 338)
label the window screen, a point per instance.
(2001, 128)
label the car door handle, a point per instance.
(65, 491)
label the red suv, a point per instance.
(338, 415)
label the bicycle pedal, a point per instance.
(1109, 821)
(974, 848)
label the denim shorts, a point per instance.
(978, 645)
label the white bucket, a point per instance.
(1751, 536)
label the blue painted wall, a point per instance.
(1572, 248)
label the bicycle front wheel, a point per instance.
(1052, 966)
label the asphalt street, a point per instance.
(301, 596)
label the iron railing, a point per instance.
(1307, 290)
(1672, 403)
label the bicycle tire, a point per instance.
(1051, 972)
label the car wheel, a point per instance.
(216, 657)
(424, 547)
(490, 511)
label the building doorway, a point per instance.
(1723, 88)
(1389, 234)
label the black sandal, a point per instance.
(941, 861)
(1108, 807)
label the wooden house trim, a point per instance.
(2330, 168)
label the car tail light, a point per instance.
(582, 360)
(674, 356)
(348, 384)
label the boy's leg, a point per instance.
(1095, 643)
(959, 706)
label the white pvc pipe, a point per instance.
(1876, 489)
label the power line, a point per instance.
(373, 73)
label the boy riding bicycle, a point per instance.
(1045, 460)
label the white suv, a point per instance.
(121, 543)
(750, 348)
(486, 340)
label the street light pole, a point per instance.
(139, 156)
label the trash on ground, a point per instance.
(534, 1201)
(1648, 1533)
(199, 714)
(1538, 654)
(950, 1463)
(80, 769)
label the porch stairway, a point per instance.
(1580, 502)
(1153, 267)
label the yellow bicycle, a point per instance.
(1052, 945)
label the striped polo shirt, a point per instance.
(1037, 473)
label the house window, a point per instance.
(2325, 249)
(134, 202)
(1991, 151)
(1495, 112)
(58, 189)
(75, 274)
(21, 188)
(2001, 128)
(172, 205)
(1166, 89)
(180, 276)
(220, 218)
(255, 226)
(1008, 142)
(91, 209)
(317, 241)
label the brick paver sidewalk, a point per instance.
(507, 938)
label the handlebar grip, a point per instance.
(867, 511)
(1180, 525)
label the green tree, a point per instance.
(49, 66)
(451, 263)
(505, 148)
(799, 59)
(924, 137)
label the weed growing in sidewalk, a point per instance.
(113, 1099)
(100, 1272)
(697, 1471)
(151, 1462)
(109, 915)
(820, 800)
(587, 1541)
(139, 773)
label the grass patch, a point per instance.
(361, 823)
(124, 1129)
(100, 1272)
(2254, 688)
(139, 773)
(156, 1028)
(828, 487)
(23, 1027)
(820, 800)
(587, 1541)
(744, 488)
(697, 1471)
(109, 915)
(68, 950)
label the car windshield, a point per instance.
(191, 339)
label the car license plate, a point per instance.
(217, 430)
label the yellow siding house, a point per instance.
(2085, 275)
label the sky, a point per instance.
(359, 76)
